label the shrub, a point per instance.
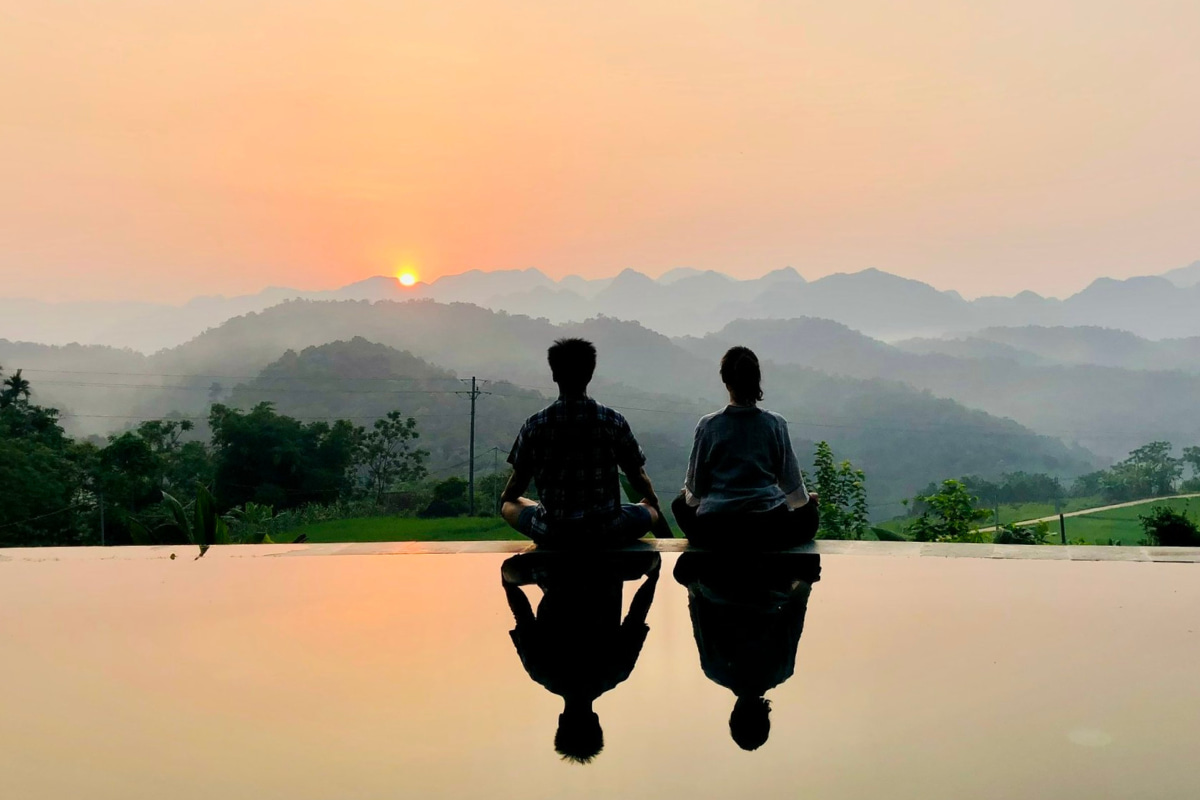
(1167, 527)
(1023, 534)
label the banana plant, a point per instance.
(205, 528)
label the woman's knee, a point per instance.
(685, 515)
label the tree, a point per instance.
(449, 499)
(842, 494)
(489, 488)
(43, 497)
(1191, 455)
(1150, 471)
(949, 516)
(1169, 528)
(131, 473)
(386, 456)
(1088, 485)
(16, 390)
(1159, 468)
(268, 458)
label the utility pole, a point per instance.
(1062, 521)
(102, 519)
(495, 479)
(474, 395)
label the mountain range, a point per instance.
(360, 359)
(683, 302)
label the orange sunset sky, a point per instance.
(159, 150)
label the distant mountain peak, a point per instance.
(677, 274)
(782, 275)
(1184, 277)
(631, 277)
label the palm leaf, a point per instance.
(884, 535)
(179, 516)
(140, 534)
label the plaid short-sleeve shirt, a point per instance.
(574, 449)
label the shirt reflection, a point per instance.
(577, 645)
(747, 614)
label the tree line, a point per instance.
(55, 490)
(954, 510)
(259, 473)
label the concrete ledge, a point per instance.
(826, 547)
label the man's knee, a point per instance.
(511, 510)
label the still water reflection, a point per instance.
(747, 612)
(747, 616)
(302, 676)
(576, 644)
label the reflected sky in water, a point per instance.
(446, 676)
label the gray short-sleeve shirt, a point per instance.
(742, 460)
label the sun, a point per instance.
(406, 278)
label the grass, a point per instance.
(407, 529)
(410, 529)
(1013, 513)
(1118, 524)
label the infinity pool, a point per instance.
(372, 676)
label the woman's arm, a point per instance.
(790, 479)
(690, 494)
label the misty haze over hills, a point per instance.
(683, 302)
(902, 436)
(951, 391)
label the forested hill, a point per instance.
(1102, 347)
(903, 437)
(1108, 410)
(362, 381)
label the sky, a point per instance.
(158, 151)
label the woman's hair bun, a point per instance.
(742, 375)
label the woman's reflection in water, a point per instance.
(747, 616)
(577, 645)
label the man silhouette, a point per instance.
(572, 450)
(576, 645)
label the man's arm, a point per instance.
(639, 607)
(640, 483)
(518, 482)
(514, 573)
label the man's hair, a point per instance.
(579, 738)
(572, 362)
(741, 373)
(750, 722)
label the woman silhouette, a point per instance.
(743, 476)
(748, 614)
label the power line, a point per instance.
(952, 428)
(42, 516)
(170, 417)
(247, 389)
(232, 377)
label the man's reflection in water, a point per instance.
(747, 616)
(577, 645)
